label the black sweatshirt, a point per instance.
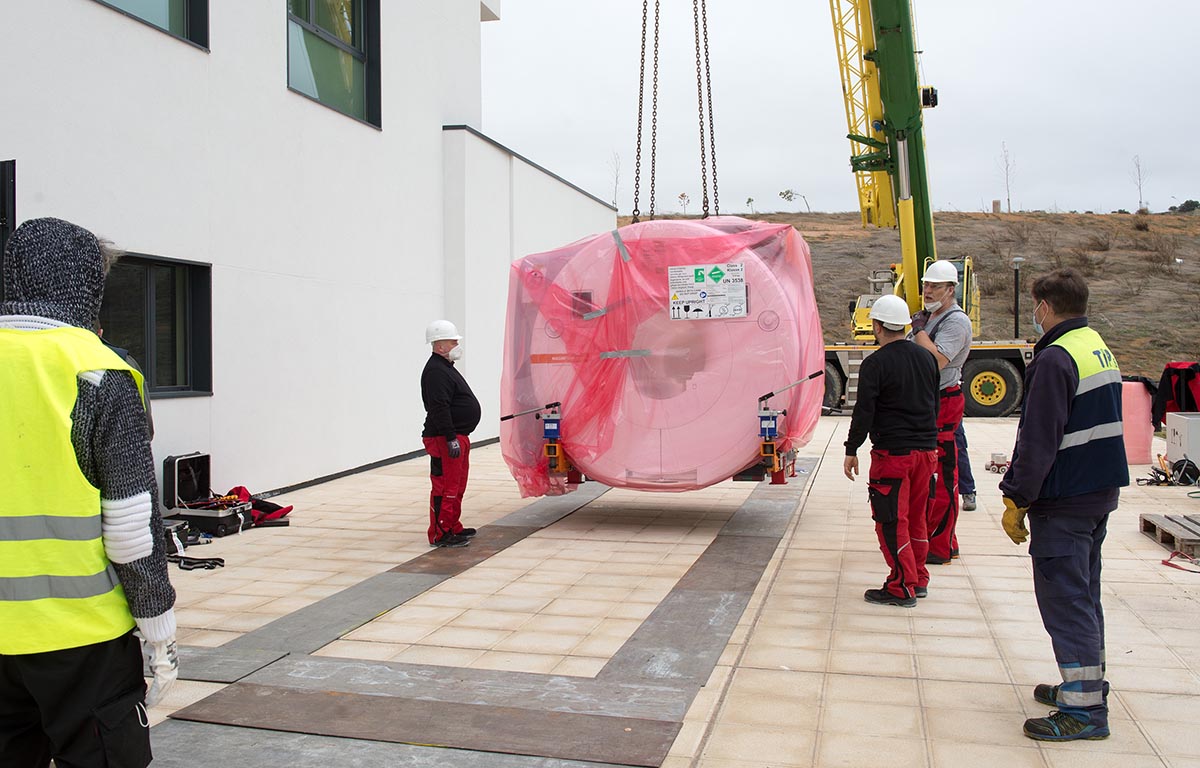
(450, 406)
(897, 399)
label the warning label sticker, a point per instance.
(708, 291)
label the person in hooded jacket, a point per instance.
(82, 562)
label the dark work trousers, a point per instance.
(1066, 581)
(966, 478)
(449, 480)
(943, 511)
(81, 706)
(899, 486)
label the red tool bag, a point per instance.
(1178, 391)
(262, 512)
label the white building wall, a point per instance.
(500, 207)
(325, 235)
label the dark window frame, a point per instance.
(368, 55)
(195, 22)
(197, 299)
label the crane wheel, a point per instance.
(834, 387)
(991, 387)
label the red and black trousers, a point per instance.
(943, 511)
(899, 484)
(448, 478)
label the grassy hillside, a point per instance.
(1144, 302)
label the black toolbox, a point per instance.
(187, 495)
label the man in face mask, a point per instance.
(451, 414)
(944, 329)
(1068, 466)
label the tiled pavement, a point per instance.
(812, 676)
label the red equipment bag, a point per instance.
(262, 512)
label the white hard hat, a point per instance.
(441, 330)
(892, 311)
(940, 272)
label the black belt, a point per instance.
(951, 391)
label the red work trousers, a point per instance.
(449, 480)
(900, 486)
(943, 511)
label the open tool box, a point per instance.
(188, 496)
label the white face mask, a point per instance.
(933, 306)
(454, 354)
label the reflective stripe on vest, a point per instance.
(1091, 455)
(57, 587)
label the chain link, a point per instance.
(712, 138)
(700, 108)
(654, 111)
(637, 164)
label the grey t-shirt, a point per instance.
(951, 334)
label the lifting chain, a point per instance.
(637, 172)
(708, 144)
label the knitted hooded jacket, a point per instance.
(54, 276)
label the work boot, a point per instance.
(921, 591)
(451, 541)
(1044, 693)
(466, 533)
(932, 559)
(968, 502)
(883, 597)
(1060, 726)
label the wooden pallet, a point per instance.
(1178, 533)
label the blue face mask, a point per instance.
(1037, 327)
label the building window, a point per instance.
(161, 312)
(333, 54)
(185, 19)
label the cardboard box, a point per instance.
(1183, 436)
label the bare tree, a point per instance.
(614, 166)
(1139, 176)
(1008, 167)
(683, 201)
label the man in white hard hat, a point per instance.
(897, 405)
(944, 329)
(451, 414)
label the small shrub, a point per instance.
(1099, 241)
(1141, 222)
(1187, 206)
(993, 241)
(1165, 248)
(1130, 286)
(993, 283)
(1087, 262)
(1021, 231)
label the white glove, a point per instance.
(164, 665)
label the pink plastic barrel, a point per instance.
(1135, 403)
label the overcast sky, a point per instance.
(1074, 89)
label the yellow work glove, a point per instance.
(1014, 521)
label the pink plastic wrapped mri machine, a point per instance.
(658, 339)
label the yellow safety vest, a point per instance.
(57, 587)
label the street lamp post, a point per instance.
(1016, 267)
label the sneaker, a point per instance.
(451, 540)
(932, 559)
(1046, 694)
(466, 533)
(968, 502)
(921, 591)
(883, 597)
(954, 554)
(1060, 726)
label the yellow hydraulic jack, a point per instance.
(773, 461)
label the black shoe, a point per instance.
(932, 559)
(1060, 726)
(1046, 694)
(883, 597)
(451, 540)
(954, 554)
(466, 533)
(921, 591)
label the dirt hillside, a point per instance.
(1143, 271)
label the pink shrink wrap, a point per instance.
(658, 339)
(1138, 432)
